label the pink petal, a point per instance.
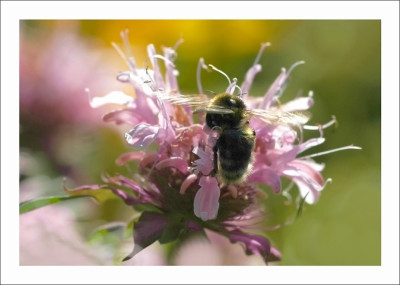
(298, 104)
(206, 201)
(205, 164)
(129, 156)
(114, 97)
(151, 51)
(266, 176)
(175, 162)
(307, 189)
(251, 73)
(188, 181)
(280, 161)
(310, 169)
(275, 88)
(142, 135)
(150, 158)
(308, 180)
(127, 116)
(171, 78)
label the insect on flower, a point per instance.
(228, 116)
(244, 141)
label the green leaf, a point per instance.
(147, 207)
(172, 231)
(108, 233)
(34, 204)
(300, 210)
(100, 192)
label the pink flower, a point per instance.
(206, 201)
(175, 182)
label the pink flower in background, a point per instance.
(55, 68)
(175, 187)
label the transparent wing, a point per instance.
(196, 101)
(199, 102)
(277, 116)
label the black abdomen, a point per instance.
(235, 148)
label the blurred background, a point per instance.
(61, 136)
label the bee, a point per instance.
(228, 115)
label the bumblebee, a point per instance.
(228, 116)
(234, 146)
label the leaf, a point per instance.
(34, 204)
(108, 233)
(300, 210)
(147, 230)
(147, 207)
(172, 231)
(100, 192)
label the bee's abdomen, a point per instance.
(235, 153)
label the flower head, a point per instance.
(178, 187)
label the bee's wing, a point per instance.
(195, 101)
(199, 102)
(276, 116)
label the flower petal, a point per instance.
(127, 116)
(171, 72)
(204, 164)
(206, 201)
(129, 156)
(114, 97)
(128, 199)
(146, 231)
(274, 90)
(187, 182)
(280, 161)
(298, 104)
(175, 162)
(254, 244)
(251, 73)
(151, 51)
(142, 135)
(267, 176)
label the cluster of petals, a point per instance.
(184, 146)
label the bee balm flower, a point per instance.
(176, 183)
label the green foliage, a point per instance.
(34, 204)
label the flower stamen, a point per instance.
(220, 71)
(294, 65)
(260, 52)
(331, 151)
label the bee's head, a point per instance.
(229, 120)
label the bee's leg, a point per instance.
(215, 170)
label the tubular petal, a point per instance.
(123, 116)
(142, 135)
(298, 104)
(206, 201)
(129, 156)
(266, 176)
(188, 181)
(114, 97)
(176, 162)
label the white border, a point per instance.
(12, 12)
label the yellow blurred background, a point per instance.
(61, 136)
